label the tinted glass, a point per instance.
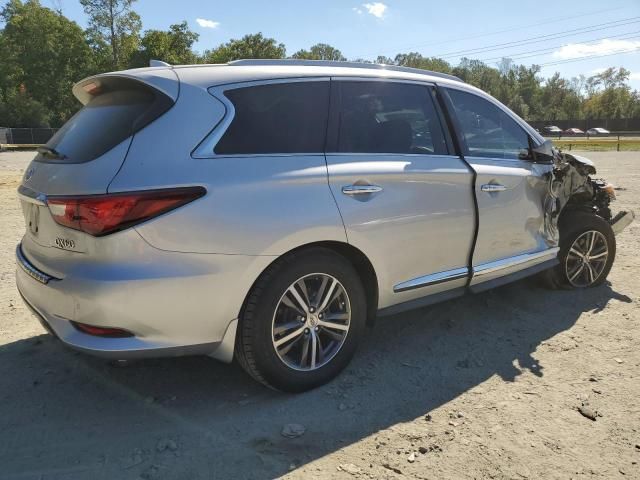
(385, 117)
(277, 118)
(101, 124)
(488, 131)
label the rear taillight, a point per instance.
(100, 215)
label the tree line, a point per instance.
(43, 53)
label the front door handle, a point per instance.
(493, 187)
(360, 189)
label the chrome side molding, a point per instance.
(433, 279)
(480, 272)
(521, 261)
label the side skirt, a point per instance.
(459, 292)
(512, 277)
(423, 301)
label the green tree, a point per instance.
(610, 95)
(43, 54)
(250, 46)
(382, 60)
(20, 110)
(416, 60)
(172, 46)
(479, 74)
(320, 51)
(114, 28)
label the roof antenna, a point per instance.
(158, 63)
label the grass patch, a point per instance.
(598, 145)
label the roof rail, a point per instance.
(332, 63)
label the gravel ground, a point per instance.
(488, 386)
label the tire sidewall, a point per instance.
(272, 368)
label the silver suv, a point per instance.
(272, 209)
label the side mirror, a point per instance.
(525, 154)
(542, 153)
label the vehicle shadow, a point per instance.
(67, 415)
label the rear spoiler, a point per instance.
(163, 80)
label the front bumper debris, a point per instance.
(622, 220)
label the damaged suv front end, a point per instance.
(578, 219)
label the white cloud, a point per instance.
(376, 9)
(635, 76)
(603, 47)
(204, 23)
(357, 10)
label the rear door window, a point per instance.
(277, 118)
(122, 108)
(488, 131)
(388, 117)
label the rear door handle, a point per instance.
(360, 189)
(493, 187)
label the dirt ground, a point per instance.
(487, 386)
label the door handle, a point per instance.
(360, 189)
(493, 187)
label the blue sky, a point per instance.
(367, 28)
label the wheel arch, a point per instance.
(360, 262)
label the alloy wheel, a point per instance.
(311, 322)
(587, 258)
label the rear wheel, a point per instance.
(302, 321)
(587, 252)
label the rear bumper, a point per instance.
(171, 312)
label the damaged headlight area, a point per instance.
(571, 186)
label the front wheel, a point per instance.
(302, 321)
(587, 252)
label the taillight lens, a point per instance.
(100, 215)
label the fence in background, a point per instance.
(25, 136)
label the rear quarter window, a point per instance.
(277, 118)
(122, 108)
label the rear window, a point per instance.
(277, 118)
(124, 107)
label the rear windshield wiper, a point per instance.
(51, 153)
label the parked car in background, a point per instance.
(573, 131)
(598, 131)
(271, 209)
(551, 129)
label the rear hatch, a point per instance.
(84, 156)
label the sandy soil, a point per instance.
(483, 387)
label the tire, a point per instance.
(268, 309)
(579, 227)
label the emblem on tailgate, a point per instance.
(65, 243)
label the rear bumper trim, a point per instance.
(29, 269)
